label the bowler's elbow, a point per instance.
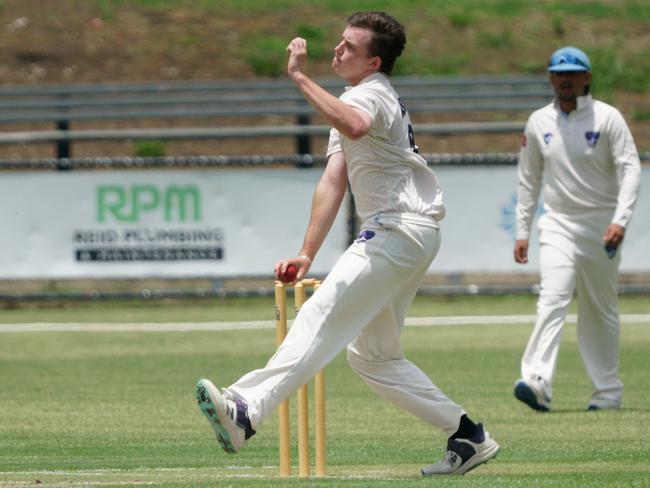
(356, 132)
(357, 126)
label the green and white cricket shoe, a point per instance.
(227, 415)
(464, 455)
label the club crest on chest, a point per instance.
(364, 236)
(592, 138)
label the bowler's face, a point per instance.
(351, 59)
(570, 84)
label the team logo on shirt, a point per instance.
(592, 138)
(547, 138)
(364, 235)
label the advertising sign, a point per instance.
(175, 223)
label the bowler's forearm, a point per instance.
(325, 207)
(326, 203)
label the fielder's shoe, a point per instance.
(464, 454)
(228, 416)
(600, 404)
(533, 394)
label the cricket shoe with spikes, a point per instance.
(464, 455)
(227, 415)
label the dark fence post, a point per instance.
(63, 145)
(303, 141)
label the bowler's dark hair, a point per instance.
(388, 36)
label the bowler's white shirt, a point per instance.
(583, 161)
(385, 172)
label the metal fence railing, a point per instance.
(218, 100)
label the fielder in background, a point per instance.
(580, 154)
(363, 301)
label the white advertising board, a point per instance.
(478, 233)
(239, 222)
(176, 223)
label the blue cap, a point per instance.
(569, 59)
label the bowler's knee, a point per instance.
(554, 298)
(356, 360)
(366, 363)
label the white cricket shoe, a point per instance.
(464, 454)
(533, 392)
(227, 415)
(604, 404)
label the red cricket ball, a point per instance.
(290, 274)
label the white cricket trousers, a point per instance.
(361, 304)
(572, 258)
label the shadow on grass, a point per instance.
(592, 412)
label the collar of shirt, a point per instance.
(381, 77)
(582, 103)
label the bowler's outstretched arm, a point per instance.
(326, 202)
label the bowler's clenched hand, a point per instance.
(297, 50)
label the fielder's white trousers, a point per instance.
(361, 304)
(572, 258)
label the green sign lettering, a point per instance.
(130, 203)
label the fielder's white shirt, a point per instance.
(385, 173)
(583, 161)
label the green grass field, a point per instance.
(117, 408)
